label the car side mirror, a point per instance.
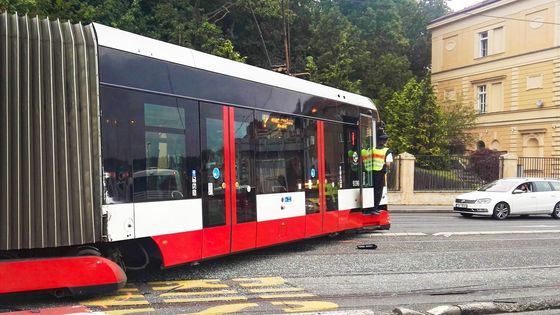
(518, 191)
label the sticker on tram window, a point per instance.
(355, 183)
(355, 157)
(313, 173)
(216, 173)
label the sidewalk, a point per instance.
(419, 208)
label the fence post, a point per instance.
(407, 177)
(508, 165)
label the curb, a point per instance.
(420, 208)
(481, 308)
(393, 210)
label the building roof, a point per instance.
(464, 11)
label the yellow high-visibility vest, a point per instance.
(378, 157)
(367, 159)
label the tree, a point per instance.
(485, 163)
(415, 122)
(179, 22)
(419, 13)
(386, 70)
(335, 49)
(459, 117)
(17, 6)
(255, 26)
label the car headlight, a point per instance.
(484, 200)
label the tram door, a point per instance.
(320, 189)
(228, 200)
(367, 144)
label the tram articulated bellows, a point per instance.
(50, 160)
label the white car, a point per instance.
(512, 196)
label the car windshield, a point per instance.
(498, 186)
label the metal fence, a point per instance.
(393, 175)
(453, 173)
(538, 167)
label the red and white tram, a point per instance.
(119, 146)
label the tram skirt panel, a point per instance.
(50, 165)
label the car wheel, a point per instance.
(556, 212)
(467, 215)
(501, 211)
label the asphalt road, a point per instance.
(425, 260)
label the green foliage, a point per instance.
(418, 14)
(459, 116)
(386, 68)
(372, 47)
(415, 121)
(368, 46)
(21, 6)
(336, 49)
(486, 164)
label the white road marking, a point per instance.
(345, 312)
(398, 234)
(535, 226)
(447, 234)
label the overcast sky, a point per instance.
(457, 5)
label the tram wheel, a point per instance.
(87, 251)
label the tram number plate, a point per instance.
(462, 205)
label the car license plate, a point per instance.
(462, 205)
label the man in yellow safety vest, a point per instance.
(381, 160)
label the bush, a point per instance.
(486, 164)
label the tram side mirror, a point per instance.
(176, 194)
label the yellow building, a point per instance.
(502, 57)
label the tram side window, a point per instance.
(366, 148)
(334, 163)
(161, 175)
(245, 165)
(147, 155)
(117, 125)
(279, 153)
(352, 159)
(311, 184)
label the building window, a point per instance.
(483, 44)
(481, 98)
